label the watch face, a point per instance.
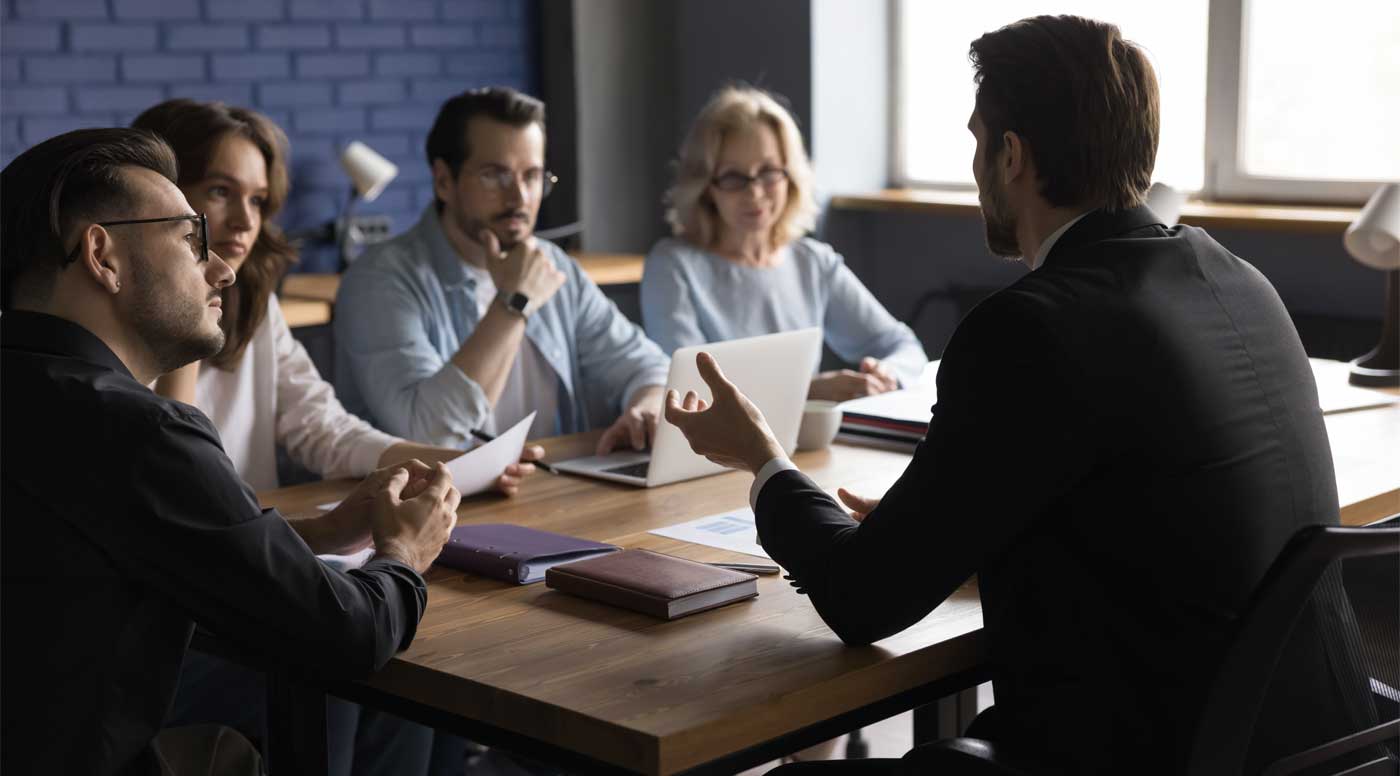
(518, 302)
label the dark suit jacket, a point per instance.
(1124, 440)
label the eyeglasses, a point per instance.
(199, 245)
(497, 180)
(768, 177)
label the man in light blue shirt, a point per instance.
(468, 322)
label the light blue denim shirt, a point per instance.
(691, 296)
(407, 305)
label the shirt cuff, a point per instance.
(779, 464)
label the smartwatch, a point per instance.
(515, 302)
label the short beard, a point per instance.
(999, 221)
(172, 334)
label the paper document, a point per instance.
(477, 469)
(1335, 394)
(734, 531)
(347, 562)
(910, 404)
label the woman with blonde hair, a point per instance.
(739, 264)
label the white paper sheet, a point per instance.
(478, 468)
(734, 530)
(347, 562)
(910, 404)
(1335, 394)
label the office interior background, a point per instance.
(882, 89)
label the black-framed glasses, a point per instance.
(497, 180)
(199, 246)
(768, 177)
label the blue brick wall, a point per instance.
(328, 71)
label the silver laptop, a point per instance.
(774, 371)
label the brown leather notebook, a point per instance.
(651, 583)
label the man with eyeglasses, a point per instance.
(125, 523)
(467, 322)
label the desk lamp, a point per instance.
(369, 174)
(1374, 240)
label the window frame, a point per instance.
(1224, 179)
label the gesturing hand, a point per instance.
(860, 506)
(731, 431)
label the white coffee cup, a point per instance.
(820, 422)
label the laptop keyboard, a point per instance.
(638, 470)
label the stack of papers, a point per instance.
(898, 419)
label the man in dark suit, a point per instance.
(1124, 439)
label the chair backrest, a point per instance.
(1227, 724)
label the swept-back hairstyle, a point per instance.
(691, 210)
(194, 130)
(58, 187)
(447, 140)
(1083, 98)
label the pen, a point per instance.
(752, 568)
(485, 437)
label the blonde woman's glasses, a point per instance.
(768, 178)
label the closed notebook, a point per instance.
(513, 553)
(651, 583)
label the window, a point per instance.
(1233, 115)
(1305, 99)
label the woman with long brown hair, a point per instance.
(261, 390)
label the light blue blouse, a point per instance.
(406, 306)
(691, 296)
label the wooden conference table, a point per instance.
(599, 688)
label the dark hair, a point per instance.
(194, 130)
(448, 138)
(62, 184)
(1083, 98)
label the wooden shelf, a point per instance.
(308, 299)
(1214, 215)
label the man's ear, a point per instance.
(99, 257)
(444, 181)
(1016, 162)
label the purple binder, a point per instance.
(513, 553)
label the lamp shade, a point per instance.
(1374, 237)
(1165, 201)
(369, 171)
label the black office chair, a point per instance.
(1306, 567)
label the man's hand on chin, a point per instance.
(732, 431)
(637, 425)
